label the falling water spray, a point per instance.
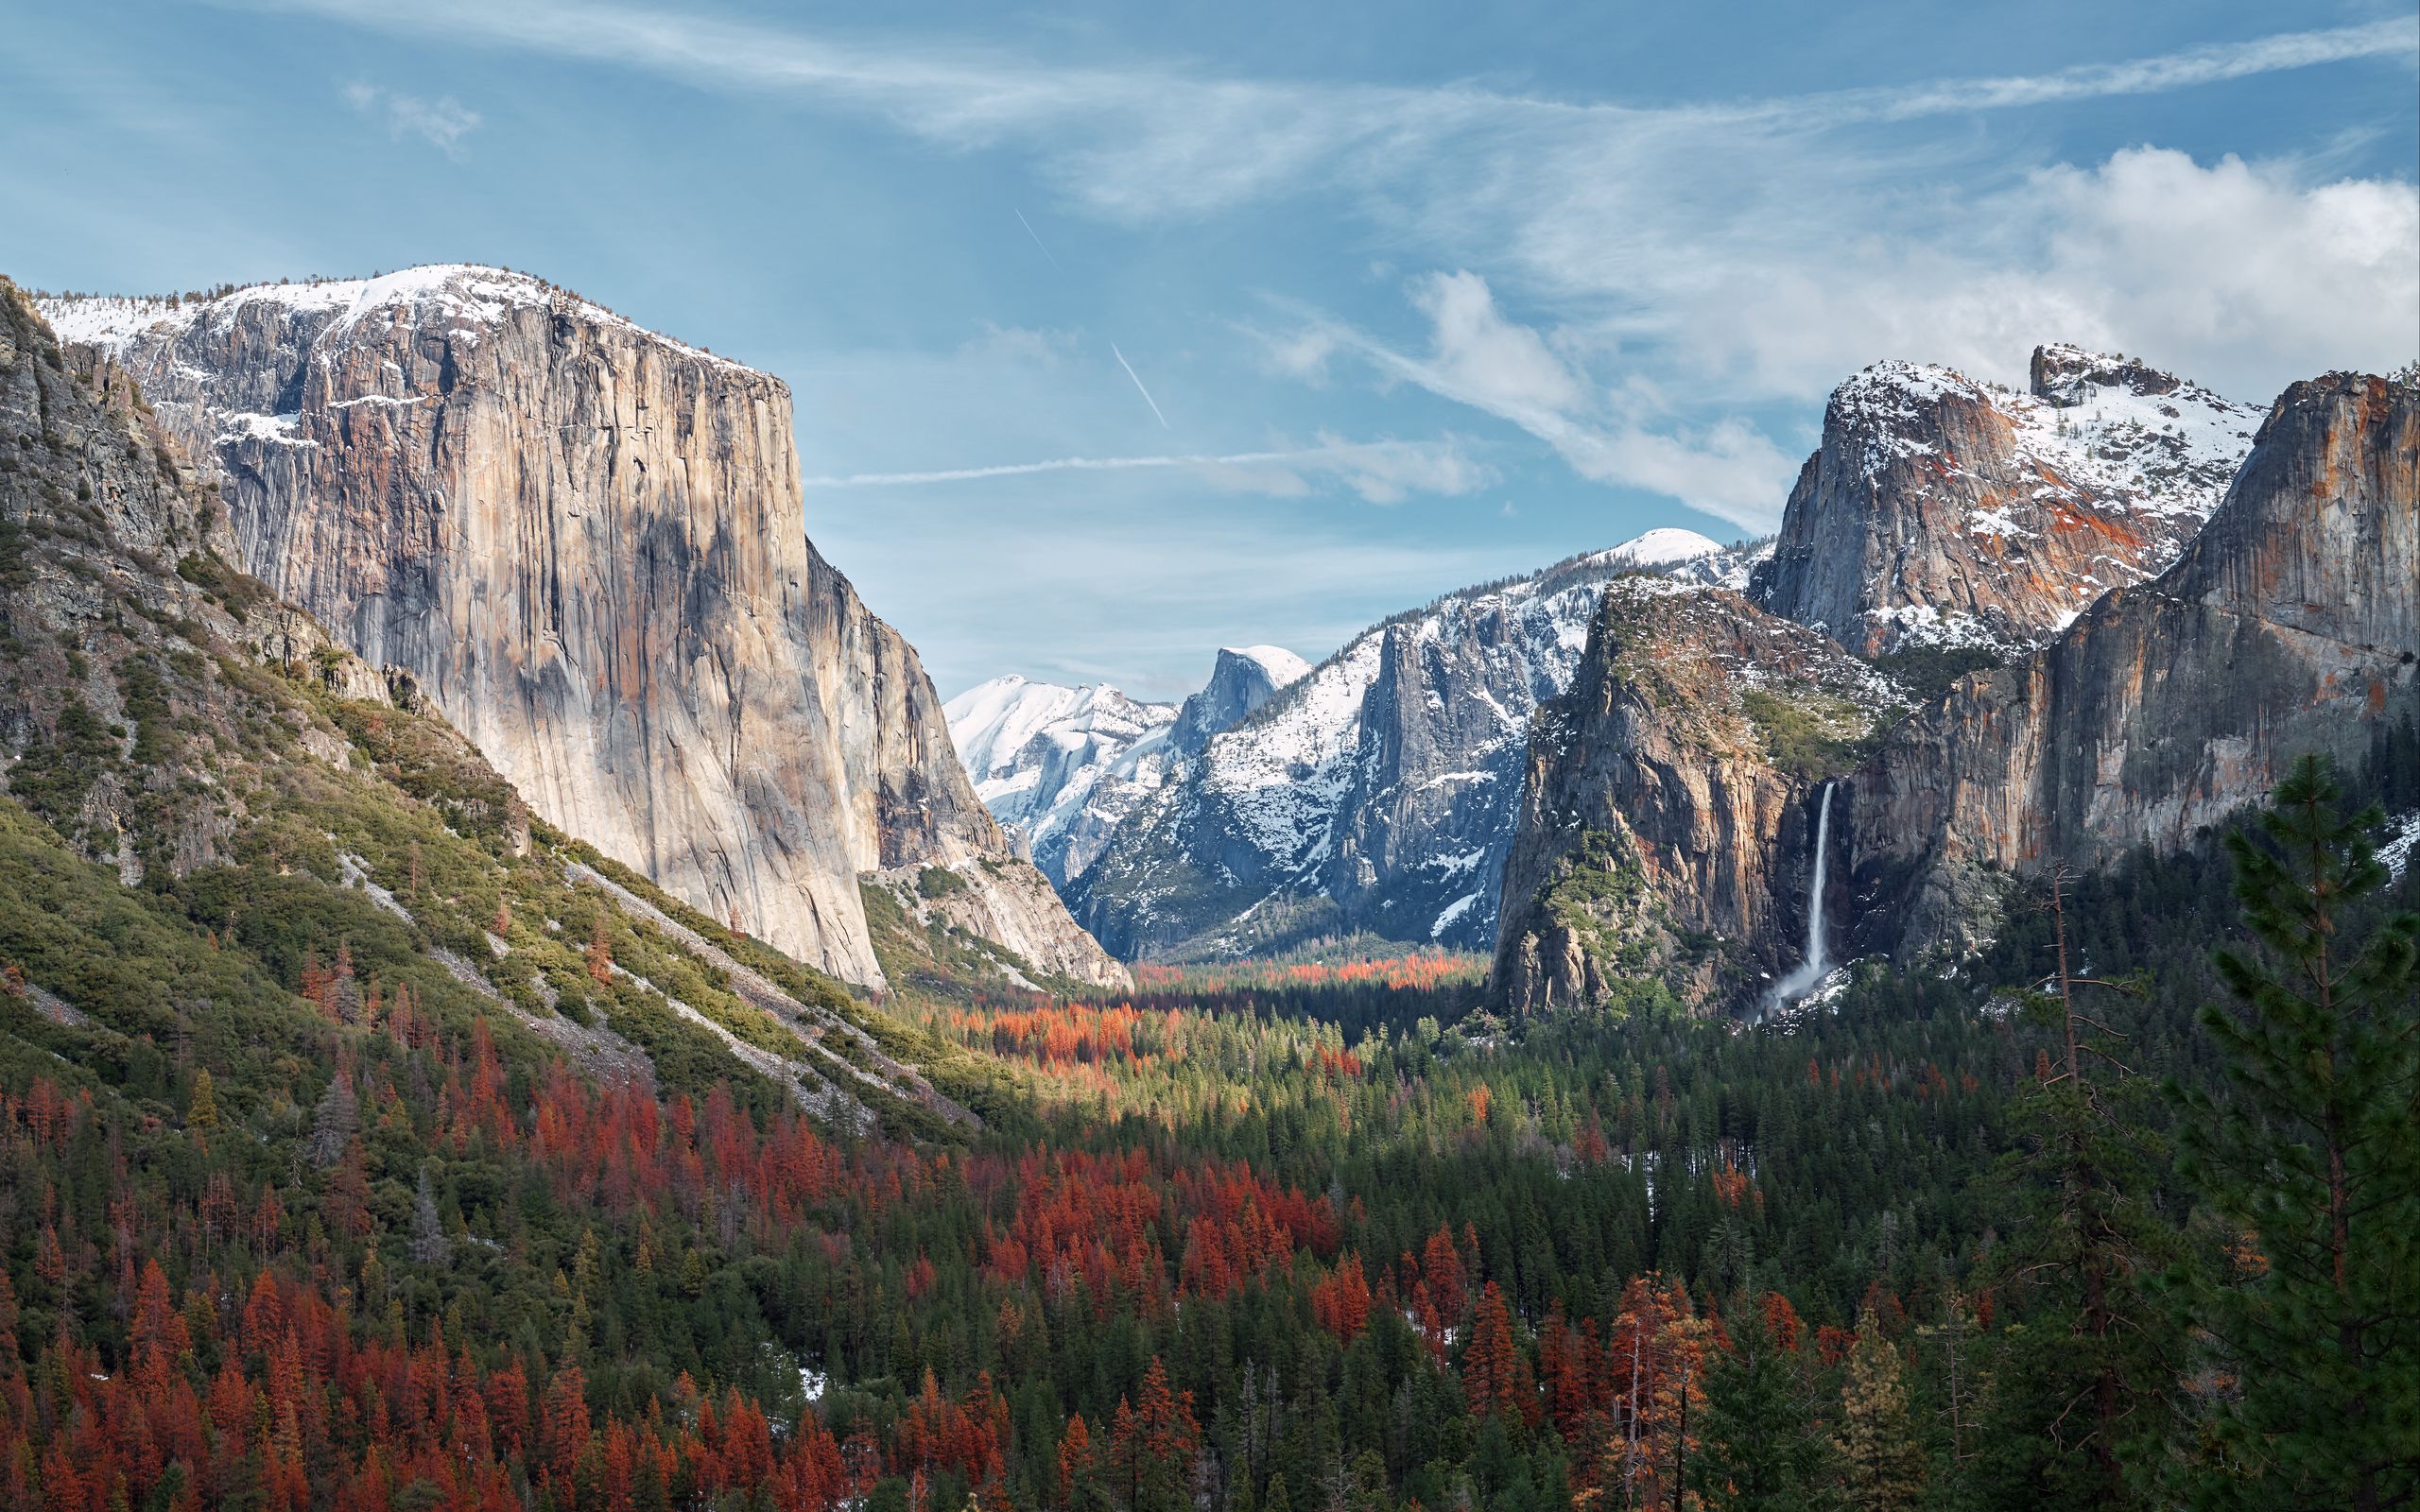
(1817, 964)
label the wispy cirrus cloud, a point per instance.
(442, 123)
(1717, 255)
(1380, 472)
(1655, 227)
(1146, 138)
(1480, 358)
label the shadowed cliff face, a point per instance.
(2291, 624)
(1941, 511)
(587, 545)
(1668, 808)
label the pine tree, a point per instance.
(1495, 1376)
(2314, 1154)
(1757, 1454)
(1882, 1468)
(201, 1106)
(2087, 1383)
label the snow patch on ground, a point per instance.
(1284, 668)
(2403, 837)
(1454, 911)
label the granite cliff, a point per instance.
(253, 787)
(2156, 675)
(2291, 624)
(1940, 512)
(1668, 808)
(584, 542)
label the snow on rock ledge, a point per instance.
(1943, 511)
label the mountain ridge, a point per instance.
(501, 488)
(1373, 794)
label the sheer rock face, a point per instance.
(1240, 682)
(2291, 624)
(1667, 824)
(586, 543)
(1941, 511)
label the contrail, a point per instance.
(1112, 346)
(1085, 464)
(1139, 385)
(1036, 236)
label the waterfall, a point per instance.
(1818, 961)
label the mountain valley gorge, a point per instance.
(2013, 630)
(516, 993)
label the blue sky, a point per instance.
(1363, 303)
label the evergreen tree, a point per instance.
(2313, 1154)
(2086, 1382)
(1882, 1467)
(1758, 1453)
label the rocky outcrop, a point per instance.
(585, 545)
(1667, 807)
(1943, 512)
(2291, 624)
(1375, 794)
(1240, 682)
(95, 514)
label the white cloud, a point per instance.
(1040, 346)
(441, 123)
(1145, 142)
(1380, 472)
(1477, 351)
(1480, 358)
(1733, 252)
(2237, 274)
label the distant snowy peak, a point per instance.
(1242, 680)
(1665, 547)
(995, 723)
(1375, 792)
(1686, 557)
(1282, 666)
(1944, 511)
(1059, 766)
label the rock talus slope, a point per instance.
(586, 543)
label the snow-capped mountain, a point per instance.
(1376, 792)
(1062, 766)
(1059, 766)
(1943, 511)
(1243, 678)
